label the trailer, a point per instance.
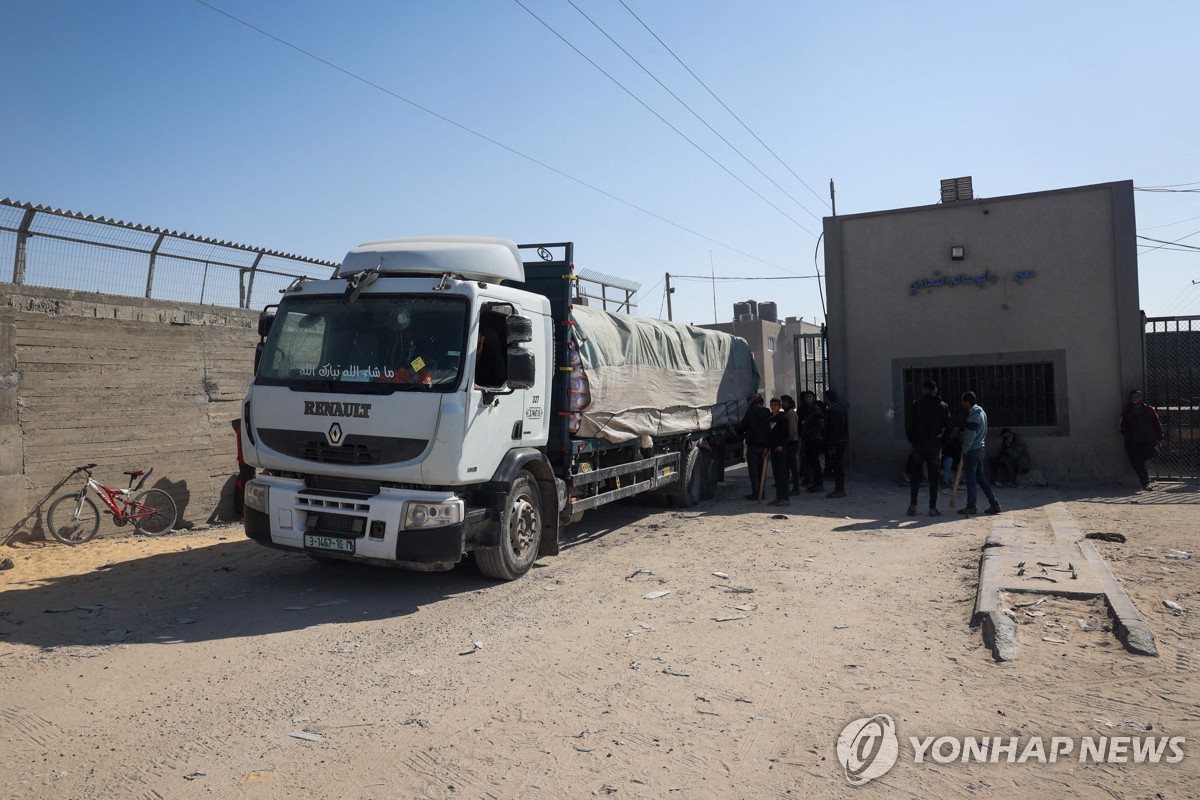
(452, 395)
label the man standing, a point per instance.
(1012, 460)
(974, 439)
(927, 421)
(836, 436)
(793, 443)
(1143, 431)
(778, 443)
(812, 440)
(756, 431)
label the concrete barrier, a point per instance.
(122, 382)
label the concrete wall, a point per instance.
(1080, 310)
(125, 383)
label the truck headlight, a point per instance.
(256, 496)
(433, 515)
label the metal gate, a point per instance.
(1172, 378)
(812, 363)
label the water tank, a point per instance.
(740, 310)
(768, 311)
(753, 307)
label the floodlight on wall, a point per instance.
(957, 252)
(955, 190)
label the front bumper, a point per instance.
(375, 524)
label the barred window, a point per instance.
(1012, 394)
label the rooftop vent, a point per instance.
(955, 190)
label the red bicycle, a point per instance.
(74, 518)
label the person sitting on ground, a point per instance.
(1012, 459)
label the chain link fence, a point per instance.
(66, 250)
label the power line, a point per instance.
(1167, 191)
(1182, 299)
(482, 136)
(662, 119)
(723, 105)
(1172, 245)
(1168, 224)
(704, 122)
(1170, 186)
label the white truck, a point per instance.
(440, 396)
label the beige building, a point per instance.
(1029, 300)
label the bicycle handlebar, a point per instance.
(84, 467)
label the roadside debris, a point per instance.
(779, 516)
(669, 671)
(739, 590)
(638, 571)
(1170, 552)
(474, 648)
(721, 575)
(656, 595)
(191, 776)
(1052, 639)
(6, 563)
(730, 618)
(1031, 603)
(840, 627)
(1171, 604)
(1105, 536)
(307, 736)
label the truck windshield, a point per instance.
(380, 343)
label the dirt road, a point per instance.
(202, 665)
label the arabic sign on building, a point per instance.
(939, 280)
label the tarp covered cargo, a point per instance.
(647, 377)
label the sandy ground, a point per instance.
(180, 667)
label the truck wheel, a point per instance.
(520, 533)
(696, 470)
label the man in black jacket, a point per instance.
(778, 443)
(812, 441)
(756, 432)
(836, 436)
(927, 421)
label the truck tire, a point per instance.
(520, 532)
(697, 470)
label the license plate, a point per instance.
(329, 543)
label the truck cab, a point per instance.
(396, 406)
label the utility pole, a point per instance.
(670, 292)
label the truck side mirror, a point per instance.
(258, 351)
(265, 321)
(521, 368)
(518, 329)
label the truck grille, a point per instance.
(338, 524)
(333, 483)
(356, 450)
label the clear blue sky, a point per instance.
(166, 113)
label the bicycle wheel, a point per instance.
(73, 520)
(153, 512)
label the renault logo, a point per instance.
(335, 433)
